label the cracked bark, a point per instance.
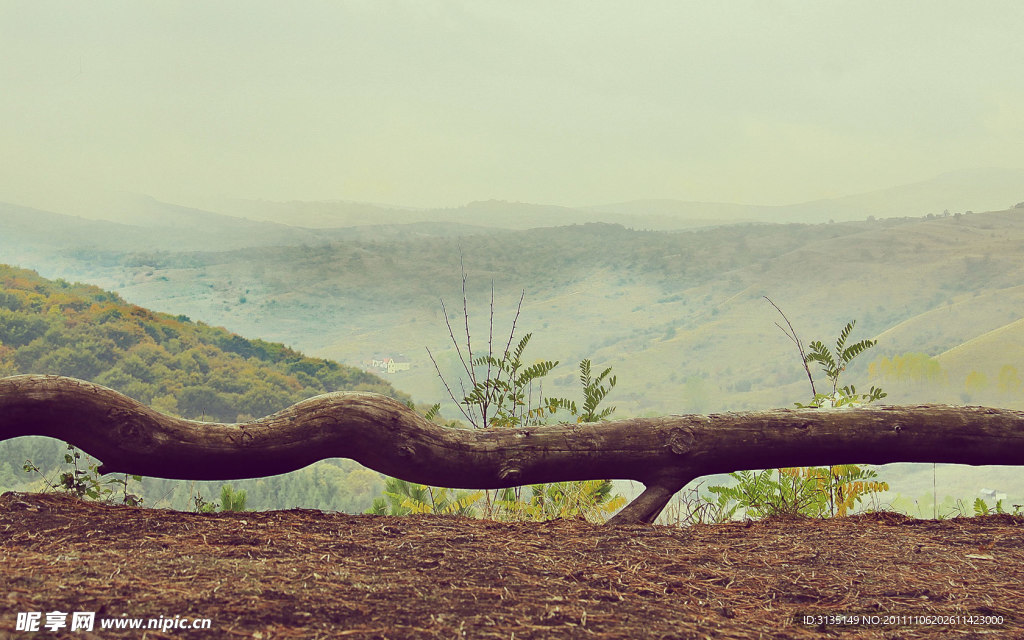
(663, 453)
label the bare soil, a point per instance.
(307, 574)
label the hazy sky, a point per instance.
(439, 103)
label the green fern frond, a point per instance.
(854, 350)
(433, 411)
(820, 353)
(535, 371)
(844, 334)
(556, 404)
(517, 355)
(585, 373)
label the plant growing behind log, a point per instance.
(811, 491)
(505, 392)
(833, 365)
(230, 500)
(589, 499)
(689, 507)
(594, 392)
(88, 482)
(403, 498)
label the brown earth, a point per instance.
(307, 574)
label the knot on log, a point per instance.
(510, 474)
(681, 440)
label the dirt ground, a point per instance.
(307, 574)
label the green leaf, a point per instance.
(433, 411)
(843, 335)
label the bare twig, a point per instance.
(465, 315)
(519, 307)
(465, 366)
(455, 342)
(490, 334)
(511, 334)
(791, 334)
(445, 383)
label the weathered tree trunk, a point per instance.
(663, 453)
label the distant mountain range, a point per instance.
(150, 225)
(977, 190)
(227, 223)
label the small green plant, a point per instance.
(834, 364)
(506, 390)
(231, 500)
(404, 498)
(590, 499)
(817, 492)
(201, 505)
(594, 391)
(433, 412)
(88, 482)
(760, 494)
(981, 508)
(500, 390)
(812, 491)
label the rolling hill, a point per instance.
(236, 222)
(977, 190)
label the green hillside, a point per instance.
(969, 350)
(990, 364)
(168, 362)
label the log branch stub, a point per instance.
(664, 453)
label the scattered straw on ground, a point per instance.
(308, 574)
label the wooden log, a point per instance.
(664, 453)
